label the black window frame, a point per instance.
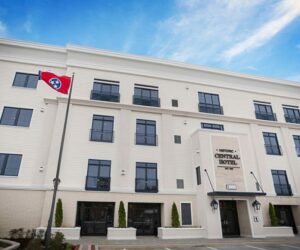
(209, 103)
(98, 93)
(177, 139)
(282, 188)
(101, 135)
(198, 175)
(212, 126)
(26, 82)
(152, 99)
(174, 103)
(183, 218)
(150, 184)
(291, 115)
(16, 121)
(103, 182)
(145, 138)
(271, 147)
(297, 144)
(3, 166)
(264, 111)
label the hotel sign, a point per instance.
(226, 152)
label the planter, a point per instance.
(70, 233)
(279, 231)
(9, 245)
(180, 233)
(116, 233)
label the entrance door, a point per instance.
(145, 217)
(229, 219)
(285, 217)
(95, 217)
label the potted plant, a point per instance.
(122, 232)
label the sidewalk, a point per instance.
(143, 242)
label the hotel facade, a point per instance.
(147, 132)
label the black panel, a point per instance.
(229, 219)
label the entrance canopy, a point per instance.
(227, 193)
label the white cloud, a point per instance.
(284, 13)
(3, 29)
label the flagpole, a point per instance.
(57, 180)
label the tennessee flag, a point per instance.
(59, 83)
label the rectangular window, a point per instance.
(180, 183)
(146, 132)
(177, 139)
(297, 144)
(102, 128)
(105, 91)
(209, 103)
(198, 175)
(264, 112)
(271, 144)
(146, 177)
(98, 175)
(146, 97)
(26, 80)
(281, 183)
(212, 126)
(10, 164)
(16, 116)
(186, 214)
(292, 115)
(174, 103)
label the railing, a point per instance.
(292, 119)
(142, 139)
(273, 149)
(265, 116)
(97, 183)
(146, 186)
(105, 96)
(283, 189)
(100, 135)
(210, 108)
(146, 101)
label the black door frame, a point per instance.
(291, 220)
(229, 207)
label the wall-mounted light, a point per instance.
(214, 204)
(256, 205)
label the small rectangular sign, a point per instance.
(230, 186)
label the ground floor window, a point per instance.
(186, 214)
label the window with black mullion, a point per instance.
(297, 144)
(281, 183)
(271, 144)
(145, 132)
(292, 115)
(209, 103)
(98, 175)
(16, 116)
(146, 177)
(102, 128)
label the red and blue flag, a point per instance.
(58, 83)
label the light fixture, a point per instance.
(214, 204)
(256, 204)
(54, 181)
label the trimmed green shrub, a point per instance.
(57, 242)
(175, 216)
(34, 244)
(122, 215)
(58, 213)
(272, 214)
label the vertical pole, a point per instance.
(56, 180)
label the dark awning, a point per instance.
(226, 193)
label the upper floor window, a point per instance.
(146, 177)
(212, 126)
(16, 116)
(102, 128)
(271, 144)
(98, 175)
(210, 103)
(10, 164)
(146, 96)
(198, 175)
(105, 91)
(26, 80)
(180, 183)
(177, 139)
(174, 103)
(297, 144)
(146, 132)
(264, 112)
(291, 115)
(281, 183)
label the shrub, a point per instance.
(122, 215)
(175, 216)
(272, 214)
(57, 242)
(58, 213)
(34, 244)
(69, 246)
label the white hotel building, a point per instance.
(147, 132)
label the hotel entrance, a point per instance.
(145, 217)
(229, 219)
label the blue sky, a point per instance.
(260, 37)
